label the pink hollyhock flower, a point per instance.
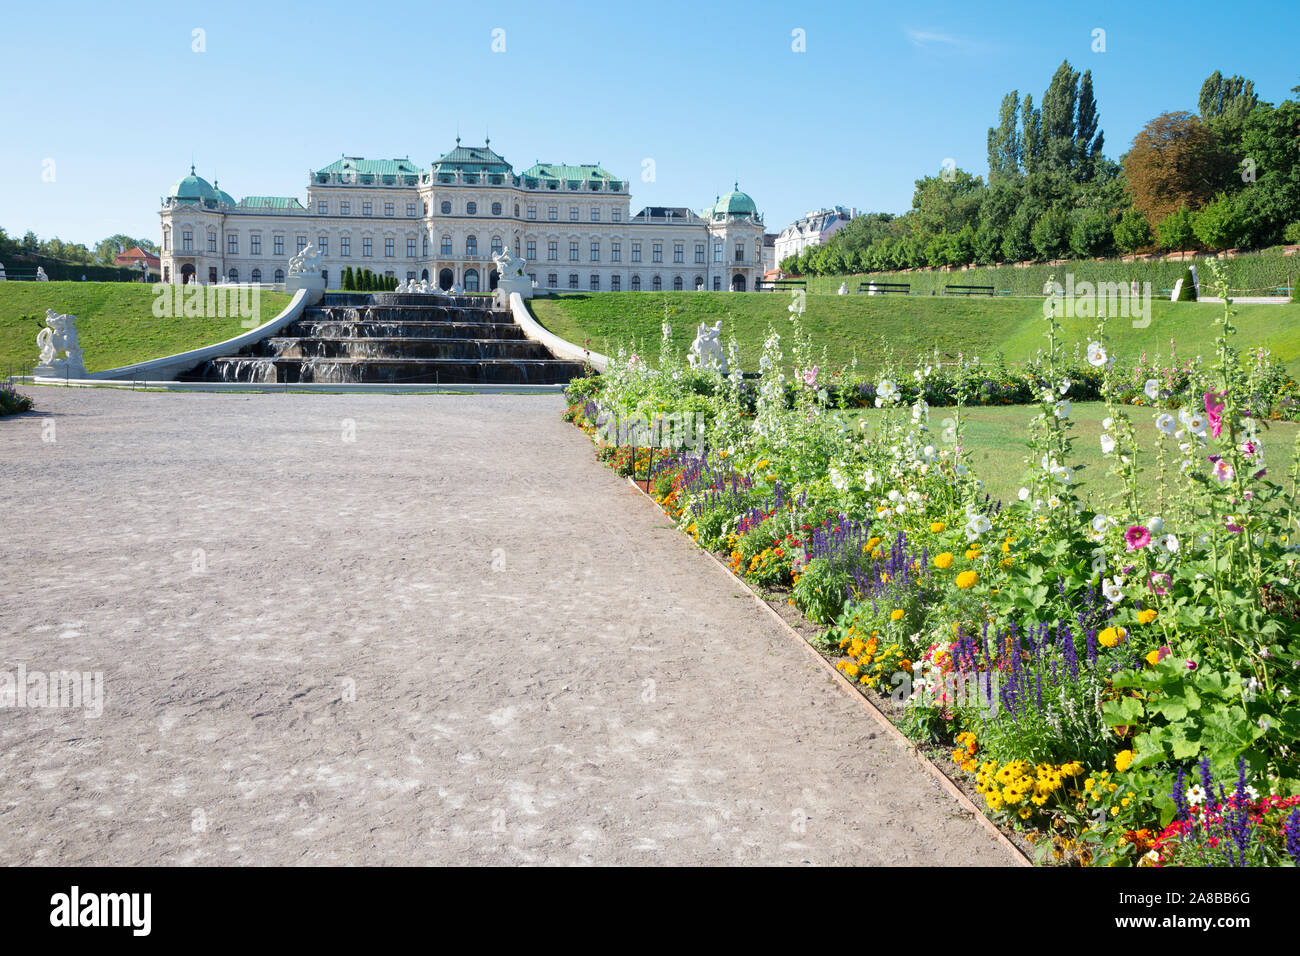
(810, 376)
(1137, 537)
(1163, 651)
(1214, 412)
(1221, 471)
(1248, 449)
(1231, 524)
(1191, 664)
(1158, 581)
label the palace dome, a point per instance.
(734, 203)
(193, 188)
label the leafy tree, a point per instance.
(1224, 104)
(1219, 224)
(1005, 144)
(1132, 232)
(987, 246)
(1091, 234)
(1175, 161)
(1050, 235)
(1175, 230)
(1017, 244)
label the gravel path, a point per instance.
(454, 638)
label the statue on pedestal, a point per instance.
(59, 335)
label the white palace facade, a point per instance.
(573, 225)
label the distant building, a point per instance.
(770, 259)
(444, 222)
(140, 260)
(811, 230)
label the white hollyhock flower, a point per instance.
(1024, 495)
(886, 392)
(1112, 590)
(978, 524)
(1152, 389)
(1064, 386)
(1100, 523)
(1107, 444)
(1062, 409)
(1156, 525)
(1165, 422)
(1096, 355)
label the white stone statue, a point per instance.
(40, 275)
(2, 272)
(706, 350)
(306, 262)
(844, 289)
(510, 278)
(59, 335)
(424, 287)
(401, 287)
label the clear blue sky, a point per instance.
(114, 95)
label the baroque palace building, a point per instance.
(573, 225)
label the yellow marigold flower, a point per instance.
(972, 554)
(1111, 636)
(937, 526)
(896, 614)
(943, 561)
(967, 579)
(1146, 615)
(1006, 546)
(1153, 658)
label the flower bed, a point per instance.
(1080, 657)
(12, 402)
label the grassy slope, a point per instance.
(115, 323)
(996, 436)
(909, 325)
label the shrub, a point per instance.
(1132, 232)
(1175, 230)
(11, 402)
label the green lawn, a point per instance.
(995, 440)
(846, 326)
(115, 323)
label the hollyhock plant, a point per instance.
(1137, 537)
(1214, 412)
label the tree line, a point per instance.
(1225, 176)
(73, 252)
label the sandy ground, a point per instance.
(392, 629)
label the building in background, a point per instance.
(811, 230)
(573, 225)
(140, 260)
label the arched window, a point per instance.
(677, 283)
(471, 209)
(257, 275)
(516, 210)
(471, 245)
(471, 280)
(496, 245)
(699, 283)
(496, 209)
(657, 284)
(636, 283)
(446, 208)
(446, 245)
(234, 275)
(279, 275)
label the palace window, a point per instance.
(187, 241)
(552, 251)
(410, 210)
(410, 247)
(277, 245)
(233, 275)
(699, 283)
(573, 252)
(636, 283)
(322, 207)
(496, 209)
(615, 252)
(212, 275)
(573, 213)
(302, 243)
(323, 244)
(232, 244)
(345, 246)
(679, 252)
(167, 238)
(445, 249)
(532, 249)
(446, 208)
(717, 283)
(553, 213)
(424, 245)
(496, 245)
(532, 212)
(345, 208)
(212, 241)
(471, 245)
(254, 244)
(616, 283)
(367, 208)
(699, 253)
(573, 280)
(595, 214)
(389, 248)
(636, 252)
(717, 253)
(657, 284)
(471, 209)
(677, 283)
(595, 251)
(616, 215)
(516, 210)
(657, 252)
(552, 280)
(367, 247)
(257, 275)
(595, 282)
(740, 250)
(388, 209)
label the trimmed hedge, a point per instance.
(60, 271)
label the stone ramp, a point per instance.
(375, 629)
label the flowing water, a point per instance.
(395, 339)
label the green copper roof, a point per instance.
(193, 188)
(223, 197)
(373, 167)
(734, 203)
(472, 159)
(269, 202)
(562, 173)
